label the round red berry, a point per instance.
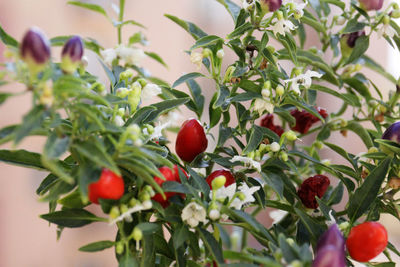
(366, 241)
(191, 140)
(169, 175)
(109, 186)
(228, 175)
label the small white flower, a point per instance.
(282, 26)
(261, 105)
(127, 214)
(158, 130)
(303, 79)
(119, 121)
(275, 147)
(173, 117)
(224, 192)
(248, 162)
(150, 91)
(108, 55)
(193, 214)
(248, 196)
(277, 215)
(297, 6)
(385, 30)
(196, 58)
(130, 55)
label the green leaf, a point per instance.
(273, 180)
(256, 136)
(198, 98)
(127, 260)
(212, 245)
(165, 106)
(222, 94)
(148, 256)
(92, 7)
(361, 46)
(240, 256)
(31, 121)
(180, 235)
(7, 39)
(128, 22)
(314, 229)
(206, 41)
(157, 58)
(366, 194)
(22, 158)
(186, 77)
(149, 228)
(232, 8)
(327, 90)
(190, 27)
(198, 182)
(72, 218)
(94, 151)
(55, 147)
(4, 96)
(359, 86)
(97, 246)
(361, 132)
(239, 31)
(214, 114)
(353, 26)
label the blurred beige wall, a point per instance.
(26, 239)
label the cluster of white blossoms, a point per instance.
(193, 214)
(130, 55)
(302, 79)
(248, 162)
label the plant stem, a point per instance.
(121, 19)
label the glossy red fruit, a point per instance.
(191, 140)
(366, 241)
(169, 175)
(228, 175)
(109, 186)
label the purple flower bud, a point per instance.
(270, 5)
(35, 47)
(73, 49)
(331, 237)
(371, 4)
(393, 132)
(329, 256)
(348, 41)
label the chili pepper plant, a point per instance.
(255, 145)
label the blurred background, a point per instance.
(26, 240)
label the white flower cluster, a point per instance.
(302, 79)
(130, 55)
(248, 162)
(193, 214)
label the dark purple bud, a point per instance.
(73, 49)
(393, 132)
(270, 5)
(35, 47)
(371, 4)
(329, 256)
(352, 38)
(331, 237)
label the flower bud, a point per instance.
(393, 132)
(114, 212)
(119, 248)
(218, 182)
(348, 41)
(220, 53)
(275, 147)
(35, 49)
(280, 90)
(214, 214)
(270, 5)
(71, 54)
(371, 4)
(137, 234)
(147, 204)
(291, 136)
(395, 14)
(265, 93)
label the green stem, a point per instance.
(121, 19)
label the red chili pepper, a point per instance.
(109, 186)
(312, 187)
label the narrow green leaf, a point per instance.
(361, 46)
(186, 77)
(190, 27)
(72, 218)
(232, 8)
(212, 245)
(97, 246)
(157, 58)
(31, 121)
(361, 132)
(92, 7)
(206, 41)
(364, 196)
(22, 158)
(7, 39)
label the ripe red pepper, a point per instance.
(268, 122)
(366, 241)
(191, 140)
(169, 175)
(312, 187)
(109, 186)
(304, 119)
(228, 175)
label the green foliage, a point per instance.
(90, 127)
